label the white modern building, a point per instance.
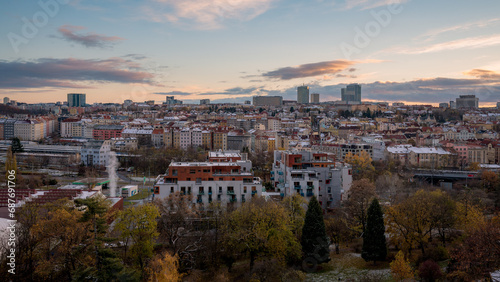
(230, 183)
(96, 152)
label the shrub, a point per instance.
(429, 271)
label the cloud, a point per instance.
(367, 4)
(237, 91)
(464, 43)
(47, 72)
(484, 74)
(462, 27)
(69, 33)
(308, 70)
(202, 14)
(486, 86)
(174, 93)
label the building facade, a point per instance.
(267, 101)
(230, 183)
(76, 100)
(311, 174)
(351, 94)
(315, 98)
(467, 102)
(303, 94)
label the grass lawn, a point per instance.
(351, 267)
(140, 195)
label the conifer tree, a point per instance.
(314, 241)
(17, 147)
(374, 244)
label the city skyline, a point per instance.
(228, 51)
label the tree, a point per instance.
(474, 166)
(178, 229)
(62, 241)
(400, 268)
(294, 205)
(489, 180)
(96, 215)
(261, 228)
(374, 245)
(164, 268)
(10, 166)
(314, 241)
(139, 224)
(410, 223)
(17, 147)
(361, 164)
(337, 228)
(359, 197)
(479, 253)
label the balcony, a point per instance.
(272, 172)
(199, 201)
(297, 187)
(302, 194)
(242, 200)
(233, 200)
(310, 187)
(282, 195)
(209, 192)
(230, 192)
(272, 177)
(254, 192)
(310, 194)
(201, 193)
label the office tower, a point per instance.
(76, 100)
(303, 94)
(315, 98)
(204, 101)
(170, 100)
(6, 100)
(467, 101)
(351, 94)
(267, 100)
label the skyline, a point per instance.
(228, 51)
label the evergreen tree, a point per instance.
(374, 244)
(314, 241)
(17, 147)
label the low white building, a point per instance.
(96, 153)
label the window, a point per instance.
(157, 190)
(172, 189)
(244, 189)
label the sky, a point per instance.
(415, 52)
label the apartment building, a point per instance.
(311, 174)
(106, 132)
(230, 183)
(96, 152)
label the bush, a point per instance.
(438, 253)
(429, 271)
(294, 276)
